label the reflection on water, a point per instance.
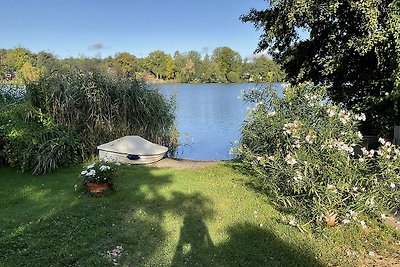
(209, 117)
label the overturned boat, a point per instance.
(131, 150)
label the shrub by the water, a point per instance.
(66, 115)
(304, 150)
(100, 107)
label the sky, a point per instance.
(101, 28)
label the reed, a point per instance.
(100, 107)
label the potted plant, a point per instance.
(98, 176)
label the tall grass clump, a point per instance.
(305, 152)
(100, 108)
(67, 114)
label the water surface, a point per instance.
(209, 118)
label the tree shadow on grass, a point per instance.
(251, 245)
(128, 227)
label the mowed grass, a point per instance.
(164, 217)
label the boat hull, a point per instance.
(131, 150)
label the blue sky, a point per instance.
(102, 28)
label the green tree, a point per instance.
(262, 69)
(29, 73)
(352, 46)
(47, 62)
(15, 58)
(156, 62)
(227, 61)
(169, 68)
(125, 64)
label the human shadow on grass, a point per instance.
(247, 245)
(195, 245)
(126, 228)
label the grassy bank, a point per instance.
(206, 216)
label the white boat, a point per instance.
(131, 150)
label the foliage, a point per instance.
(125, 64)
(33, 143)
(100, 108)
(304, 150)
(99, 172)
(224, 65)
(228, 61)
(352, 46)
(156, 62)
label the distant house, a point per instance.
(149, 76)
(10, 75)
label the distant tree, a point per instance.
(169, 68)
(353, 47)
(29, 73)
(125, 64)
(46, 61)
(15, 58)
(227, 61)
(194, 60)
(179, 64)
(262, 69)
(205, 72)
(156, 62)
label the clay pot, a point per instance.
(97, 188)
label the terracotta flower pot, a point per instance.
(97, 188)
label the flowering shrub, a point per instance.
(99, 172)
(304, 150)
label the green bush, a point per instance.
(304, 150)
(66, 115)
(32, 142)
(100, 108)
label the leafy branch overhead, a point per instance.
(352, 46)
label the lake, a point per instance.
(208, 117)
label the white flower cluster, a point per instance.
(339, 145)
(310, 138)
(370, 202)
(311, 97)
(360, 117)
(291, 128)
(290, 160)
(367, 153)
(388, 150)
(331, 112)
(352, 215)
(263, 159)
(298, 177)
(90, 170)
(104, 168)
(331, 188)
(344, 117)
(89, 173)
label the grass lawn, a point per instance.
(206, 216)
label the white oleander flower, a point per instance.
(331, 112)
(290, 160)
(346, 221)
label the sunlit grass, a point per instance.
(162, 217)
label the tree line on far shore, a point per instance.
(224, 65)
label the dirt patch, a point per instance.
(182, 163)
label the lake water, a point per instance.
(209, 118)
